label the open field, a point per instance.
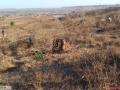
(91, 56)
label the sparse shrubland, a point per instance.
(88, 61)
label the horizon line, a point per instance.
(62, 6)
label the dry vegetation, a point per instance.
(91, 57)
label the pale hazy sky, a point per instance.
(52, 3)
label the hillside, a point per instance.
(62, 10)
(90, 59)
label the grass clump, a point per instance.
(39, 56)
(12, 23)
(82, 45)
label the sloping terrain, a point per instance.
(90, 61)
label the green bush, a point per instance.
(12, 23)
(39, 56)
(82, 45)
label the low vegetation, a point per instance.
(85, 54)
(39, 56)
(12, 23)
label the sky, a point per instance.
(52, 3)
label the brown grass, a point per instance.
(90, 60)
